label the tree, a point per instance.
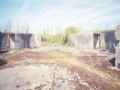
(71, 30)
(8, 27)
(17, 31)
(27, 27)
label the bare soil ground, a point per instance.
(58, 69)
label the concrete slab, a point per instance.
(30, 77)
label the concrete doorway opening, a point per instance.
(96, 41)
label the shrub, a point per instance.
(59, 39)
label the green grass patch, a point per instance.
(17, 53)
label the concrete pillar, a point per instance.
(117, 35)
(117, 62)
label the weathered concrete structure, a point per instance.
(72, 38)
(87, 40)
(19, 41)
(103, 41)
(108, 40)
(6, 41)
(117, 35)
(27, 41)
(12, 41)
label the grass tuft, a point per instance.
(17, 53)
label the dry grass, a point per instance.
(87, 52)
(102, 59)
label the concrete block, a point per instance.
(117, 62)
(37, 40)
(117, 32)
(87, 41)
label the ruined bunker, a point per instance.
(103, 41)
(19, 41)
(87, 40)
(108, 40)
(27, 41)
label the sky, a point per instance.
(56, 15)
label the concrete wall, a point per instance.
(22, 41)
(117, 32)
(84, 41)
(117, 35)
(102, 41)
(37, 40)
(19, 41)
(72, 38)
(87, 40)
(4, 41)
(117, 59)
(0, 40)
(27, 41)
(12, 41)
(108, 40)
(95, 40)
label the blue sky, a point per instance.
(56, 15)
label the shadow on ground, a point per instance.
(2, 62)
(112, 61)
(1, 52)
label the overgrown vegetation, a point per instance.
(60, 38)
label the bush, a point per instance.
(59, 39)
(53, 40)
(71, 30)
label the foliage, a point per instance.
(59, 38)
(53, 39)
(71, 30)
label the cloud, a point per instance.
(42, 13)
(24, 7)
